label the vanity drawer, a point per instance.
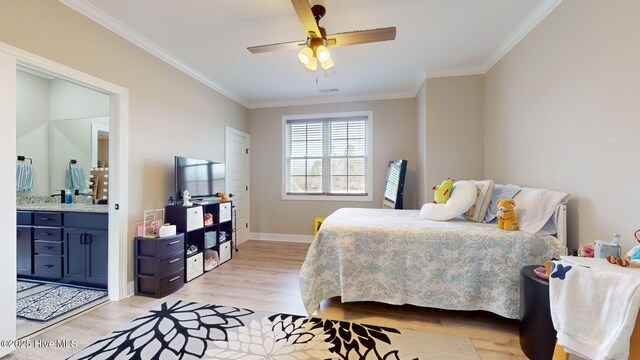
(47, 233)
(47, 247)
(24, 218)
(48, 266)
(47, 219)
(87, 220)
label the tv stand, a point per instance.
(210, 235)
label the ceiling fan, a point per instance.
(314, 48)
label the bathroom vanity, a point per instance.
(66, 243)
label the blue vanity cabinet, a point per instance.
(24, 245)
(86, 243)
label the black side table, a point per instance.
(537, 335)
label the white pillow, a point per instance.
(479, 209)
(534, 208)
(463, 196)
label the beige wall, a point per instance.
(454, 129)
(562, 111)
(394, 123)
(170, 113)
(422, 188)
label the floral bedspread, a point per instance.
(397, 257)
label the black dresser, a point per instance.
(159, 265)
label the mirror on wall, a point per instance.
(59, 121)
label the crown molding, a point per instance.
(521, 31)
(87, 9)
(333, 100)
(459, 71)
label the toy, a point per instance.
(185, 198)
(223, 197)
(506, 214)
(443, 191)
(586, 250)
(631, 258)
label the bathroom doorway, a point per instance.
(10, 58)
(62, 141)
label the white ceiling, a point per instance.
(208, 39)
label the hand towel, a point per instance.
(75, 178)
(24, 177)
(594, 306)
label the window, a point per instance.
(327, 157)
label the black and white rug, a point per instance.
(48, 304)
(25, 285)
(188, 330)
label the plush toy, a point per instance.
(443, 191)
(223, 197)
(631, 258)
(506, 215)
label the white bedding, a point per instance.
(397, 257)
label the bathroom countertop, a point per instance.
(64, 207)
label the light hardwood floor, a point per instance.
(263, 275)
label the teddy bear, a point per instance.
(506, 214)
(443, 191)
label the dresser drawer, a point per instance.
(171, 264)
(47, 233)
(48, 266)
(47, 219)
(171, 283)
(171, 246)
(47, 247)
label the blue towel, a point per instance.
(75, 178)
(24, 177)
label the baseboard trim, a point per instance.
(281, 237)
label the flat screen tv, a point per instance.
(203, 178)
(394, 185)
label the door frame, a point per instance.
(118, 147)
(228, 131)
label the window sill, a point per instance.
(363, 198)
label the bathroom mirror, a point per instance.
(76, 139)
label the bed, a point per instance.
(398, 257)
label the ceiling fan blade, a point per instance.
(309, 24)
(277, 47)
(361, 37)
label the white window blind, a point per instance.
(328, 156)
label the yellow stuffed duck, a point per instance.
(443, 191)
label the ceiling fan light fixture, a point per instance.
(306, 55)
(327, 64)
(312, 65)
(323, 53)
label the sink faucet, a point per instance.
(61, 194)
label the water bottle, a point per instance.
(171, 202)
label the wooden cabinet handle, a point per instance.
(174, 260)
(174, 279)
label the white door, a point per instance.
(237, 179)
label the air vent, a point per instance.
(327, 90)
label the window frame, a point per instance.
(368, 163)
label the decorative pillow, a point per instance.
(483, 198)
(500, 192)
(462, 198)
(535, 207)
